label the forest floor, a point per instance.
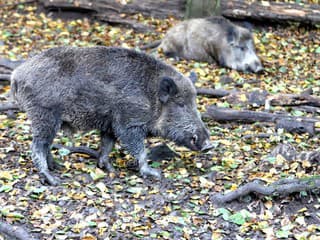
(91, 204)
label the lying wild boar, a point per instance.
(125, 94)
(212, 39)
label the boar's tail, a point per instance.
(151, 45)
(9, 63)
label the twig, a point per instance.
(281, 187)
(80, 149)
(15, 232)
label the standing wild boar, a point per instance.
(212, 39)
(125, 94)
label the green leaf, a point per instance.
(92, 224)
(283, 69)
(282, 233)
(155, 164)
(165, 234)
(63, 152)
(39, 190)
(15, 215)
(297, 113)
(225, 213)
(6, 188)
(134, 190)
(97, 174)
(240, 218)
(318, 50)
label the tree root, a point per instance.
(14, 232)
(281, 187)
(83, 150)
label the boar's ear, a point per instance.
(193, 77)
(231, 34)
(167, 88)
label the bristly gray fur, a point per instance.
(125, 94)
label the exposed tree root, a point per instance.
(14, 232)
(281, 187)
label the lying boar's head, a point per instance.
(240, 51)
(179, 119)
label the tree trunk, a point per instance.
(202, 8)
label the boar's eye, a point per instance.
(181, 104)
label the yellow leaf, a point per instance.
(205, 183)
(89, 237)
(268, 204)
(243, 97)
(302, 210)
(306, 164)
(6, 175)
(234, 187)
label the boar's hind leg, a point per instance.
(107, 143)
(133, 141)
(45, 125)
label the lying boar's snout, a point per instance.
(256, 67)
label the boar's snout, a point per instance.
(255, 67)
(199, 141)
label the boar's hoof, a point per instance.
(105, 164)
(146, 171)
(53, 165)
(46, 177)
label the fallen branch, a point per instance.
(287, 122)
(271, 11)
(14, 232)
(8, 106)
(281, 187)
(160, 8)
(215, 93)
(5, 77)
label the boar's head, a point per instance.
(179, 119)
(239, 52)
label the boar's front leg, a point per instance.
(107, 143)
(132, 140)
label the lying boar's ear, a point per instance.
(231, 34)
(167, 88)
